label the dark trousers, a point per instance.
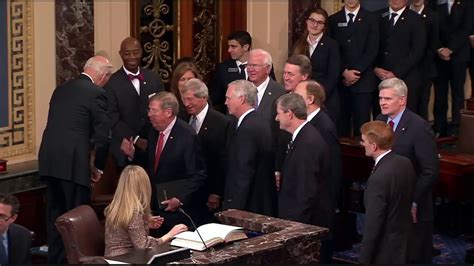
(454, 75)
(62, 196)
(420, 244)
(356, 109)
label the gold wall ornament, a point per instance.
(157, 37)
(17, 138)
(205, 46)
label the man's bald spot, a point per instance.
(129, 41)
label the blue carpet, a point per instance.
(453, 249)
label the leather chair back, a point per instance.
(465, 142)
(82, 234)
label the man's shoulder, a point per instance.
(17, 230)
(214, 115)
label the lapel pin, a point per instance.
(402, 18)
(205, 128)
(424, 15)
(171, 137)
(144, 82)
(269, 93)
(403, 129)
(359, 19)
(322, 44)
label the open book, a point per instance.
(211, 233)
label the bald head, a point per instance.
(131, 54)
(99, 69)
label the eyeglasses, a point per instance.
(4, 218)
(317, 22)
(152, 111)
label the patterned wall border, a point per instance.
(17, 138)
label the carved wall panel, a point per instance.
(17, 125)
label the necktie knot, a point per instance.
(242, 71)
(140, 77)
(391, 124)
(289, 146)
(351, 17)
(392, 19)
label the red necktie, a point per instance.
(159, 148)
(140, 77)
(391, 124)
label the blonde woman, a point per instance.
(128, 217)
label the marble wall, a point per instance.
(74, 37)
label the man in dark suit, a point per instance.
(414, 140)
(402, 46)
(313, 95)
(387, 199)
(16, 237)
(259, 69)
(128, 91)
(234, 68)
(211, 127)
(304, 192)
(174, 154)
(453, 56)
(249, 182)
(297, 68)
(357, 32)
(77, 114)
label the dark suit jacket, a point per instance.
(181, 158)
(304, 191)
(326, 70)
(19, 244)
(402, 47)
(226, 72)
(250, 180)
(415, 140)
(358, 45)
(77, 114)
(213, 136)
(127, 109)
(267, 111)
(431, 22)
(455, 29)
(325, 126)
(388, 201)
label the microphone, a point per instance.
(194, 225)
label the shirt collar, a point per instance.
(241, 118)
(381, 156)
(399, 12)
(240, 63)
(130, 73)
(355, 12)
(87, 75)
(421, 9)
(262, 87)
(167, 130)
(298, 129)
(396, 119)
(316, 41)
(313, 114)
(200, 117)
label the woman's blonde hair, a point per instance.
(133, 194)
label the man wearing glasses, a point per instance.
(15, 240)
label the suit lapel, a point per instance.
(385, 158)
(132, 92)
(267, 97)
(402, 125)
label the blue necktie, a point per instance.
(3, 253)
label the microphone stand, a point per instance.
(194, 225)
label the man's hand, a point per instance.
(127, 147)
(351, 76)
(96, 174)
(213, 202)
(141, 144)
(445, 53)
(380, 72)
(413, 214)
(277, 180)
(173, 204)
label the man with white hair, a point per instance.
(250, 182)
(77, 114)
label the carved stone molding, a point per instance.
(17, 137)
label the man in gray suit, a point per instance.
(259, 68)
(388, 199)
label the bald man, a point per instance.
(127, 93)
(77, 114)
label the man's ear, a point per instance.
(246, 47)
(13, 218)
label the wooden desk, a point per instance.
(456, 174)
